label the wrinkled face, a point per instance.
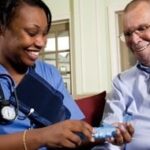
(137, 32)
(25, 37)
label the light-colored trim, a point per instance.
(77, 47)
(113, 31)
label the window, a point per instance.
(57, 50)
(126, 56)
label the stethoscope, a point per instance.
(9, 112)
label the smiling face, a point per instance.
(137, 31)
(24, 38)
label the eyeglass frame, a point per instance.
(142, 29)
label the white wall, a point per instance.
(60, 9)
(114, 6)
(91, 43)
(91, 46)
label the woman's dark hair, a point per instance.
(8, 7)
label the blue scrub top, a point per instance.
(53, 77)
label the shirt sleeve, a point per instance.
(115, 103)
(115, 107)
(68, 100)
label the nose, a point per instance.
(40, 41)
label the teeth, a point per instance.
(34, 53)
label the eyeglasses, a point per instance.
(140, 31)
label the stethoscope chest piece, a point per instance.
(7, 112)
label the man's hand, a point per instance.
(124, 134)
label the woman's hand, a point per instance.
(65, 134)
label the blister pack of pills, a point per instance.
(104, 132)
(108, 131)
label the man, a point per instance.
(27, 121)
(131, 89)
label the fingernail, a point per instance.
(122, 128)
(93, 131)
(129, 123)
(117, 132)
(92, 139)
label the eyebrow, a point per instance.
(37, 27)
